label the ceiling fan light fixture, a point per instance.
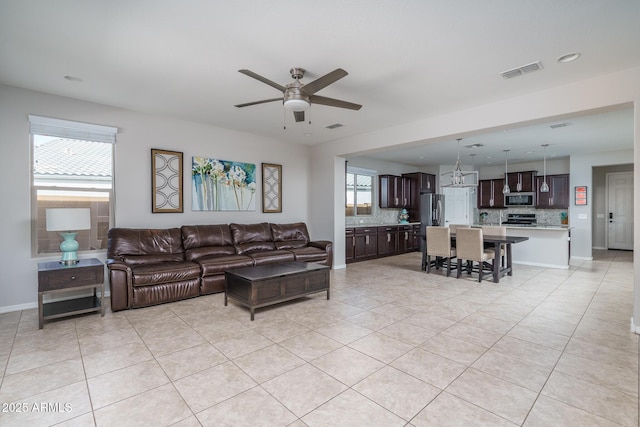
(296, 104)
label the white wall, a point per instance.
(603, 92)
(138, 133)
(580, 217)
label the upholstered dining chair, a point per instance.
(496, 230)
(439, 246)
(454, 227)
(470, 247)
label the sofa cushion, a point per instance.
(252, 237)
(146, 241)
(218, 264)
(197, 236)
(164, 272)
(287, 236)
(309, 254)
(271, 257)
(151, 259)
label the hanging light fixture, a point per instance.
(458, 175)
(506, 189)
(544, 188)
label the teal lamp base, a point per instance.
(69, 248)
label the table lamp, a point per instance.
(68, 221)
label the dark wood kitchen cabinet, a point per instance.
(366, 243)
(350, 245)
(490, 193)
(525, 180)
(391, 191)
(419, 182)
(408, 235)
(558, 196)
(387, 240)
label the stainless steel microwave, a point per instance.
(520, 199)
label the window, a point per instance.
(359, 192)
(72, 168)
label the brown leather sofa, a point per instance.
(154, 266)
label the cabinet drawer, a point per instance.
(366, 230)
(69, 278)
(387, 229)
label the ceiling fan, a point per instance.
(298, 96)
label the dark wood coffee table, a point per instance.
(264, 285)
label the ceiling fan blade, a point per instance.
(299, 116)
(324, 81)
(258, 102)
(331, 102)
(263, 80)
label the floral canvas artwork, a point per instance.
(222, 185)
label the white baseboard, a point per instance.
(34, 304)
(340, 267)
(635, 328)
(599, 248)
(538, 264)
(19, 307)
(582, 258)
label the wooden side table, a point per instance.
(54, 277)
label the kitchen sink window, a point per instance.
(359, 192)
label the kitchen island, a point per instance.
(548, 245)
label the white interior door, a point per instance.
(456, 206)
(620, 210)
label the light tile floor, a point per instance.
(393, 347)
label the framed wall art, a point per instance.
(166, 181)
(271, 188)
(581, 195)
(222, 185)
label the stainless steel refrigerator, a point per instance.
(431, 212)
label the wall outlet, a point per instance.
(582, 216)
(600, 216)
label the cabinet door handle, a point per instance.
(406, 235)
(73, 277)
(353, 242)
(366, 240)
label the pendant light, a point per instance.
(506, 189)
(544, 188)
(458, 175)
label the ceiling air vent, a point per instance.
(515, 72)
(334, 126)
(558, 125)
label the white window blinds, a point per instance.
(72, 130)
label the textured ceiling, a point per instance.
(406, 60)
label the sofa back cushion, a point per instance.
(207, 240)
(145, 244)
(290, 236)
(252, 237)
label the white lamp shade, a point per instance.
(296, 104)
(68, 219)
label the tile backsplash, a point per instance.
(543, 216)
(381, 216)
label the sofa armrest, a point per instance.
(120, 284)
(327, 246)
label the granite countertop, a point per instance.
(536, 227)
(390, 224)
